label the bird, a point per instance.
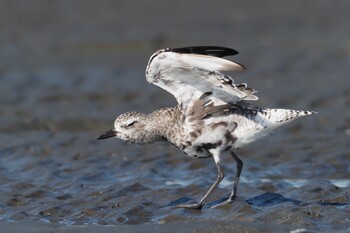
(213, 116)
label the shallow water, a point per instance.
(65, 76)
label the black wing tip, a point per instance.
(216, 51)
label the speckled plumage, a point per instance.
(212, 116)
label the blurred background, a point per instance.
(68, 68)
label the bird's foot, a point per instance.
(191, 206)
(223, 203)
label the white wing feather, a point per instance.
(188, 76)
(210, 63)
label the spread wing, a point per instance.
(188, 73)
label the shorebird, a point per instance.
(213, 116)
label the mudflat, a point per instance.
(69, 68)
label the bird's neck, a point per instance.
(164, 124)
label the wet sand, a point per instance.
(69, 68)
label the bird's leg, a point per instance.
(219, 178)
(235, 184)
(238, 174)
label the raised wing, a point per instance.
(187, 73)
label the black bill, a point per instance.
(108, 134)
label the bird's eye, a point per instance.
(131, 124)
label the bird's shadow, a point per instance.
(265, 199)
(271, 199)
(180, 201)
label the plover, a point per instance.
(213, 116)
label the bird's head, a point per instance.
(129, 127)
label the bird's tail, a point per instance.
(285, 115)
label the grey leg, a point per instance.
(238, 174)
(235, 184)
(212, 188)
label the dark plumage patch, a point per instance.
(215, 51)
(248, 112)
(199, 149)
(206, 94)
(208, 146)
(222, 123)
(229, 138)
